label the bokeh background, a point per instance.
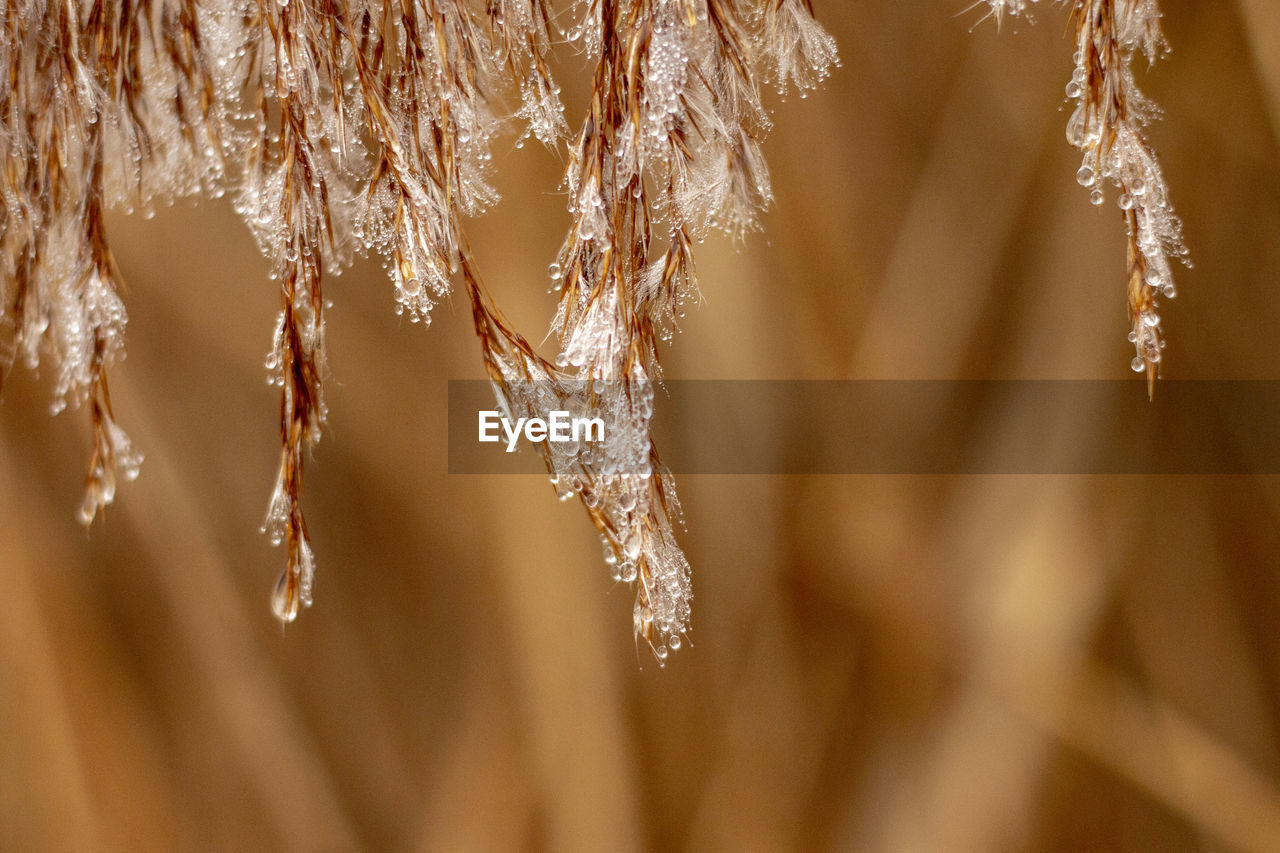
(882, 663)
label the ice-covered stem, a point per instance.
(607, 333)
(104, 316)
(299, 350)
(95, 94)
(669, 148)
(305, 68)
(1107, 126)
(633, 508)
(58, 281)
(113, 453)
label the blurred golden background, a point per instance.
(881, 663)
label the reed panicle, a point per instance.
(344, 126)
(1107, 127)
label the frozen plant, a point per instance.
(999, 8)
(367, 125)
(1107, 127)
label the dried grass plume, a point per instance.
(367, 126)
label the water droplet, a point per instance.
(1073, 90)
(627, 572)
(1125, 201)
(555, 270)
(88, 507)
(674, 642)
(1096, 198)
(284, 604)
(1086, 176)
(1138, 364)
(631, 545)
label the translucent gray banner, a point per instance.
(925, 427)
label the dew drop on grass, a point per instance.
(284, 605)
